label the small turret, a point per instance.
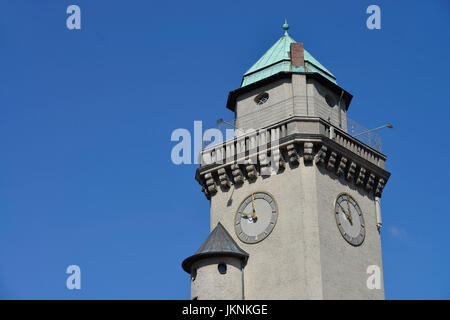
(217, 268)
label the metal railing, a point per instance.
(357, 130)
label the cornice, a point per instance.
(239, 160)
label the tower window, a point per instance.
(261, 98)
(330, 101)
(222, 267)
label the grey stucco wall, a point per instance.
(305, 256)
(344, 267)
(249, 115)
(336, 115)
(212, 285)
(299, 96)
(285, 264)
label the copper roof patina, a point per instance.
(277, 59)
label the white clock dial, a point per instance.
(349, 219)
(256, 217)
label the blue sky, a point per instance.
(86, 118)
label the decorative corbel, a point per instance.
(370, 182)
(210, 184)
(331, 161)
(321, 155)
(379, 187)
(223, 178)
(342, 165)
(251, 170)
(308, 152)
(361, 176)
(236, 172)
(351, 172)
(292, 154)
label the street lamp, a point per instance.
(388, 125)
(219, 121)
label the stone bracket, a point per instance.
(341, 167)
(333, 159)
(223, 178)
(251, 170)
(320, 160)
(361, 177)
(210, 185)
(292, 154)
(237, 174)
(351, 172)
(308, 152)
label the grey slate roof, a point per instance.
(218, 244)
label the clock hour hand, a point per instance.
(349, 212)
(252, 216)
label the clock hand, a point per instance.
(348, 216)
(253, 202)
(348, 206)
(254, 216)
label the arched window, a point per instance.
(222, 267)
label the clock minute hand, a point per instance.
(254, 216)
(253, 202)
(349, 217)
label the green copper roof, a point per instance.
(277, 59)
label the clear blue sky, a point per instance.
(86, 118)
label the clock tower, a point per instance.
(294, 196)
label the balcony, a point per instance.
(240, 145)
(354, 129)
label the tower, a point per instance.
(294, 197)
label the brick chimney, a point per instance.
(297, 55)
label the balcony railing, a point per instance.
(354, 128)
(372, 139)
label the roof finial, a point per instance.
(285, 26)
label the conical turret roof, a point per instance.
(219, 243)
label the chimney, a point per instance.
(297, 55)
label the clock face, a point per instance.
(256, 217)
(349, 219)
